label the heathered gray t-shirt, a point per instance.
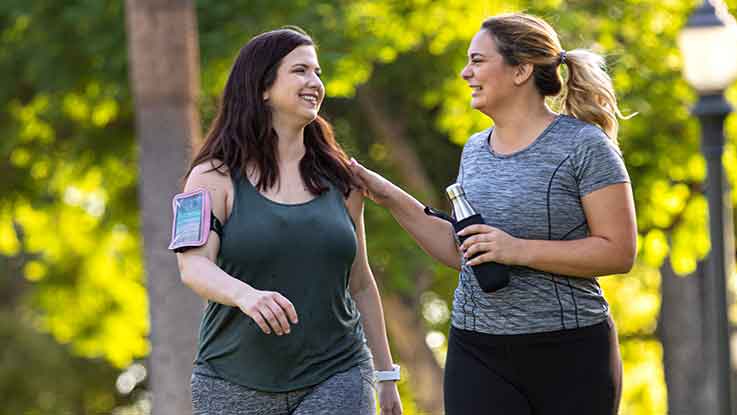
(536, 193)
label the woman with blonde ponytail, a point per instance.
(556, 199)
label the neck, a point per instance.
(518, 123)
(291, 143)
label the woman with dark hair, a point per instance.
(559, 212)
(291, 299)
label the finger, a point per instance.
(271, 319)
(473, 229)
(468, 242)
(357, 168)
(475, 239)
(487, 257)
(281, 316)
(476, 249)
(256, 316)
(288, 307)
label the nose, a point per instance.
(314, 81)
(466, 73)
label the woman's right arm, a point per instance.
(434, 235)
(198, 270)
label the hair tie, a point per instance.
(562, 57)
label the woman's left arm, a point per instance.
(609, 249)
(366, 295)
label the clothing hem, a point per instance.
(535, 329)
(211, 372)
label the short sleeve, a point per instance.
(598, 162)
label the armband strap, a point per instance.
(193, 220)
(215, 224)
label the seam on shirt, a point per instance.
(572, 230)
(551, 280)
(474, 306)
(465, 299)
(573, 295)
(575, 304)
(550, 236)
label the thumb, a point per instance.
(358, 169)
(354, 164)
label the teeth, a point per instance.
(310, 98)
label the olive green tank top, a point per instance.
(304, 252)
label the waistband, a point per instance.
(600, 329)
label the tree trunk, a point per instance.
(408, 338)
(164, 72)
(391, 132)
(681, 332)
(404, 323)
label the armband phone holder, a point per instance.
(193, 220)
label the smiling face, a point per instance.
(491, 79)
(297, 91)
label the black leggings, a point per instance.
(564, 372)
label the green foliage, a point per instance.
(68, 209)
(38, 376)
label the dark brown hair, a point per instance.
(242, 132)
(588, 93)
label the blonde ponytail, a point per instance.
(589, 94)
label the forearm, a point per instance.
(209, 281)
(435, 236)
(372, 317)
(588, 257)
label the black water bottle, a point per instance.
(491, 276)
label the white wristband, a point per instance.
(384, 375)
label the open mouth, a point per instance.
(311, 98)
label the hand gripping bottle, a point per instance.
(491, 276)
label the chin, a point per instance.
(312, 116)
(307, 117)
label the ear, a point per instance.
(523, 73)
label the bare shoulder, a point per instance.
(212, 175)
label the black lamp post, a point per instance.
(708, 44)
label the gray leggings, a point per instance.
(345, 393)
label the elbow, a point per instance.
(185, 278)
(626, 261)
(625, 265)
(185, 271)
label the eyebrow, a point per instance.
(317, 68)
